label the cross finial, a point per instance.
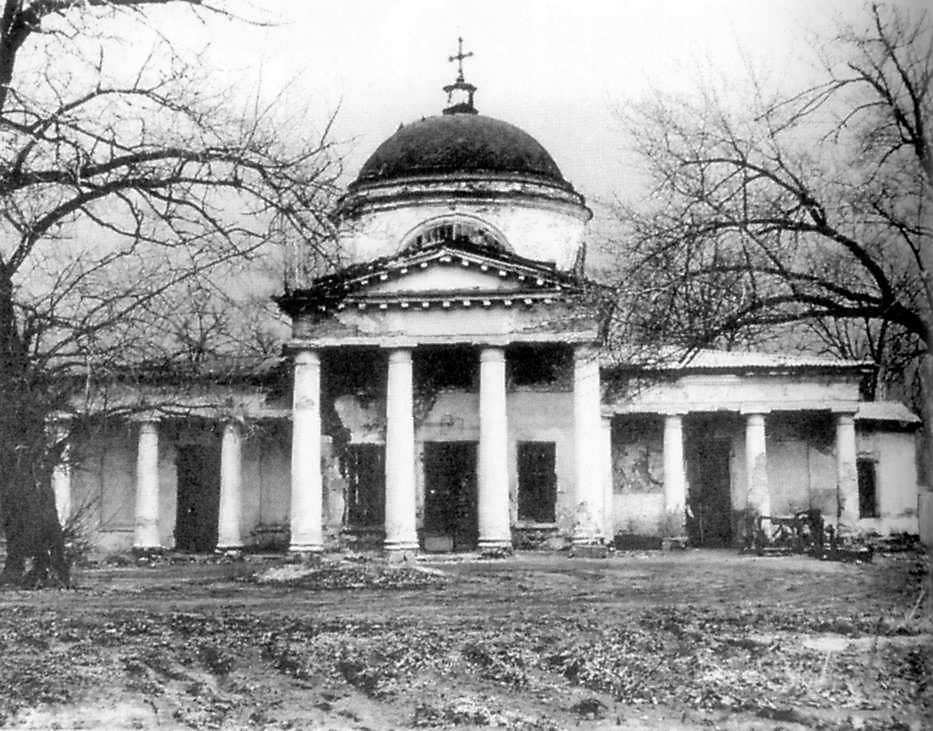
(464, 88)
(460, 55)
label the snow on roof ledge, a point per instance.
(886, 411)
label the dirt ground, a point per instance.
(640, 640)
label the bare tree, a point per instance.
(125, 196)
(809, 207)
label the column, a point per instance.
(675, 480)
(228, 518)
(146, 532)
(608, 500)
(61, 475)
(588, 471)
(846, 471)
(493, 498)
(756, 465)
(306, 496)
(401, 533)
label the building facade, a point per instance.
(447, 391)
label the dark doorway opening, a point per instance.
(709, 500)
(365, 466)
(867, 488)
(537, 482)
(450, 517)
(198, 471)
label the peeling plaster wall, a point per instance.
(533, 415)
(557, 321)
(266, 482)
(104, 478)
(638, 475)
(801, 463)
(800, 454)
(894, 451)
(538, 231)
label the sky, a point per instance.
(560, 70)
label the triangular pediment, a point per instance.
(440, 272)
(453, 279)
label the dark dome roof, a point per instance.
(459, 143)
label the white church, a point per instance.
(447, 391)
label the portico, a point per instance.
(495, 468)
(737, 436)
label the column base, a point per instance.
(401, 553)
(143, 551)
(494, 544)
(589, 550)
(588, 540)
(306, 548)
(234, 551)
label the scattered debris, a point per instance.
(351, 576)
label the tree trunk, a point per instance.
(27, 499)
(926, 456)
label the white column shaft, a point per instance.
(306, 497)
(608, 500)
(61, 478)
(675, 480)
(588, 523)
(228, 520)
(400, 526)
(846, 470)
(146, 531)
(756, 465)
(493, 498)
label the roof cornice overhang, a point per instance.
(515, 189)
(656, 371)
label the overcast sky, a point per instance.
(559, 70)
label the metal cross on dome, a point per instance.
(464, 106)
(459, 58)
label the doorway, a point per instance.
(450, 513)
(537, 482)
(709, 500)
(198, 471)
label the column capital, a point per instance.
(307, 357)
(491, 353)
(755, 410)
(585, 350)
(146, 418)
(400, 355)
(844, 417)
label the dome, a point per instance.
(460, 143)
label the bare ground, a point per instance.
(641, 640)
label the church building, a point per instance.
(447, 390)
